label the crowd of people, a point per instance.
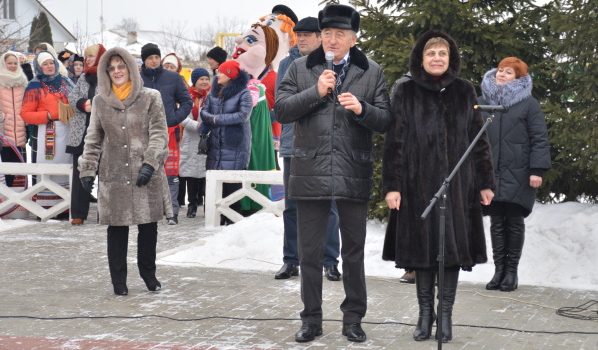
(149, 136)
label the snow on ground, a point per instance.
(560, 248)
(9, 224)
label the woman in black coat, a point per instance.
(520, 155)
(434, 124)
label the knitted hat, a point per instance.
(198, 73)
(339, 17)
(517, 64)
(217, 54)
(149, 49)
(44, 56)
(172, 59)
(307, 25)
(77, 58)
(285, 10)
(230, 68)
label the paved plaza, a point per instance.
(56, 294)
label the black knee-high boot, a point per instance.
(514, 242)
(146, 255)
(499, 250)
(118, 240)
(424, 284)
(451, 278)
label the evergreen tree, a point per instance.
(485, 30)
(32, 31)
(570, 74)
(40, 31)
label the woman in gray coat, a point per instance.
(520, 156)
(128, 130)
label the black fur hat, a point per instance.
(285, 10)
(340, 17)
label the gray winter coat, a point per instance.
(518, 139)
(333, 147)
(125, 135)
(287, 135)
(191, 163)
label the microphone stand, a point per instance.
(441, 194)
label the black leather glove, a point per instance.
(87, 183)
(145, 174)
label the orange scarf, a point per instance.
(123, 91)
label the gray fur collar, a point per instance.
(505, 95)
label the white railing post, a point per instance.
(215, 205)
(44, 181)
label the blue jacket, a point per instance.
(286, 137)
(226, 113)
(173, 92)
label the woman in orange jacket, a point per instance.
(41, 107)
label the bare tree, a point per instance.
(128, 25)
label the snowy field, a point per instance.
(560, 248)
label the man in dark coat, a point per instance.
(335, 112)
(308, 39)
(177, 104)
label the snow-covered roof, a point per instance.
(185, 48)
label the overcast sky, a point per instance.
(159, 14)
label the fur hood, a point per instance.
(418, 73)
(235, 87)
(104, 88)
(357, 58)
(508, 94)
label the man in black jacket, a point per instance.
(335, 112)
(177, 105)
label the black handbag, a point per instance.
(202, 147)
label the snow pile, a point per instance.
(560, 248)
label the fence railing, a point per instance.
(43, 172)
(215, 205)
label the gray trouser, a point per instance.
(173, 186)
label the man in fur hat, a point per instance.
(335, 111)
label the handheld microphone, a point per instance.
(490, 108)
(329, 57)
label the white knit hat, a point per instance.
(172, 60)
(43, 57)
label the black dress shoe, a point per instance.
(286, 271)
(120, 289)
(332, 273)
(354, 332)
(308, 332)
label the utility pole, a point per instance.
(102, 20)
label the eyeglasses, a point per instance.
(112, 69)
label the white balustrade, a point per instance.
(215, 205)
(24, 199)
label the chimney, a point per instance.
(131, 38)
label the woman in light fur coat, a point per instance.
(520, 156)
(128, 130)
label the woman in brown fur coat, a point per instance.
(434, 124)
(128, 130)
